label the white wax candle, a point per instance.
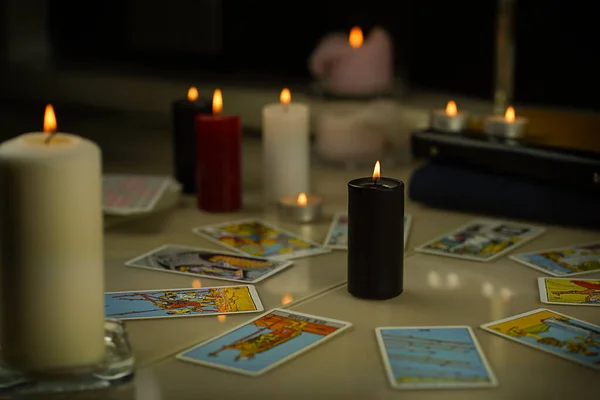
(286, 148)
(51, 252)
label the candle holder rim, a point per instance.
(359, 182)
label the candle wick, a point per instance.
(49, 138)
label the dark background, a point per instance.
(440, 45)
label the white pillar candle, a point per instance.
(286, 148)
(51, 251)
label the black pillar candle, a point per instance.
(375, 237)
(184, 137)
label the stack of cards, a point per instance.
(337, 237)
(133, 194)
(481, 240)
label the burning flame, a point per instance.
(287, 299)
(221, 318)
(451, 109)
(510, 116)
(356, 37)
(285, 97)
(302, 199)
(377, 171)
(192, 94)
(217, 102)
(196, 283)
(49, 119)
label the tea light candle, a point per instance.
(508, 126)
(51, 251)
(301, 208)
(449, 120)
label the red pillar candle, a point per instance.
(218, 160)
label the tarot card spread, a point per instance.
(182, 302)
(209, 264)
(265, 342)
(565, 261)
(259, 239)
(433, 358)
(481, 240)
(553, 333)
(337, 238)
(570, 292)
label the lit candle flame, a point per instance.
(287, 299)
(217, 102)
(356, 37)
(377, 171)
(285, 97)
(221, 318)
(451, 109)
(192, 94)
(510, 116)
(196, 283)
(49, 119)
(302, 199)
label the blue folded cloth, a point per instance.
(463, 189)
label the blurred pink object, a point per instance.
(351, 66)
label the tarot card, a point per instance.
(440, 357)
(208, 263)
(260, 239)
(130, 194)
(337, 238)
(565, 261)
(481, 240)
(265, 342)
(569, 292)
(164, 303)
(554, 333)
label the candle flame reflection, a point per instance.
(287, 299)
(302, 199)
(377, 171)
(196, 283)
(510, 116)
(217, 102)
(49, 119)
(451, 109)
(221, 318)
(356, 37)
(286, 96)
(192, 94)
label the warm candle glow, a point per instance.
(196, 284)
(356, 37)
(49, 119)
(285, 97)
(221, 318)
(217, 102)
(287, 299)
(451, 109)
(302, 199)
(192, 94)
(509, 116)
(377, 171)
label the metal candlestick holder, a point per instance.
(116, 368)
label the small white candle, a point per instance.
(286, 147)
(301, 208)
(51, 251)
(449, 120)
(508, 126)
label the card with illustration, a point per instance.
(482, 240)
(337, 238)
(165, 303)
(440, 357)
(208, 263)
(564, 261)
(553, 333)
(570, 292)
(265, 342)
(260, 239)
